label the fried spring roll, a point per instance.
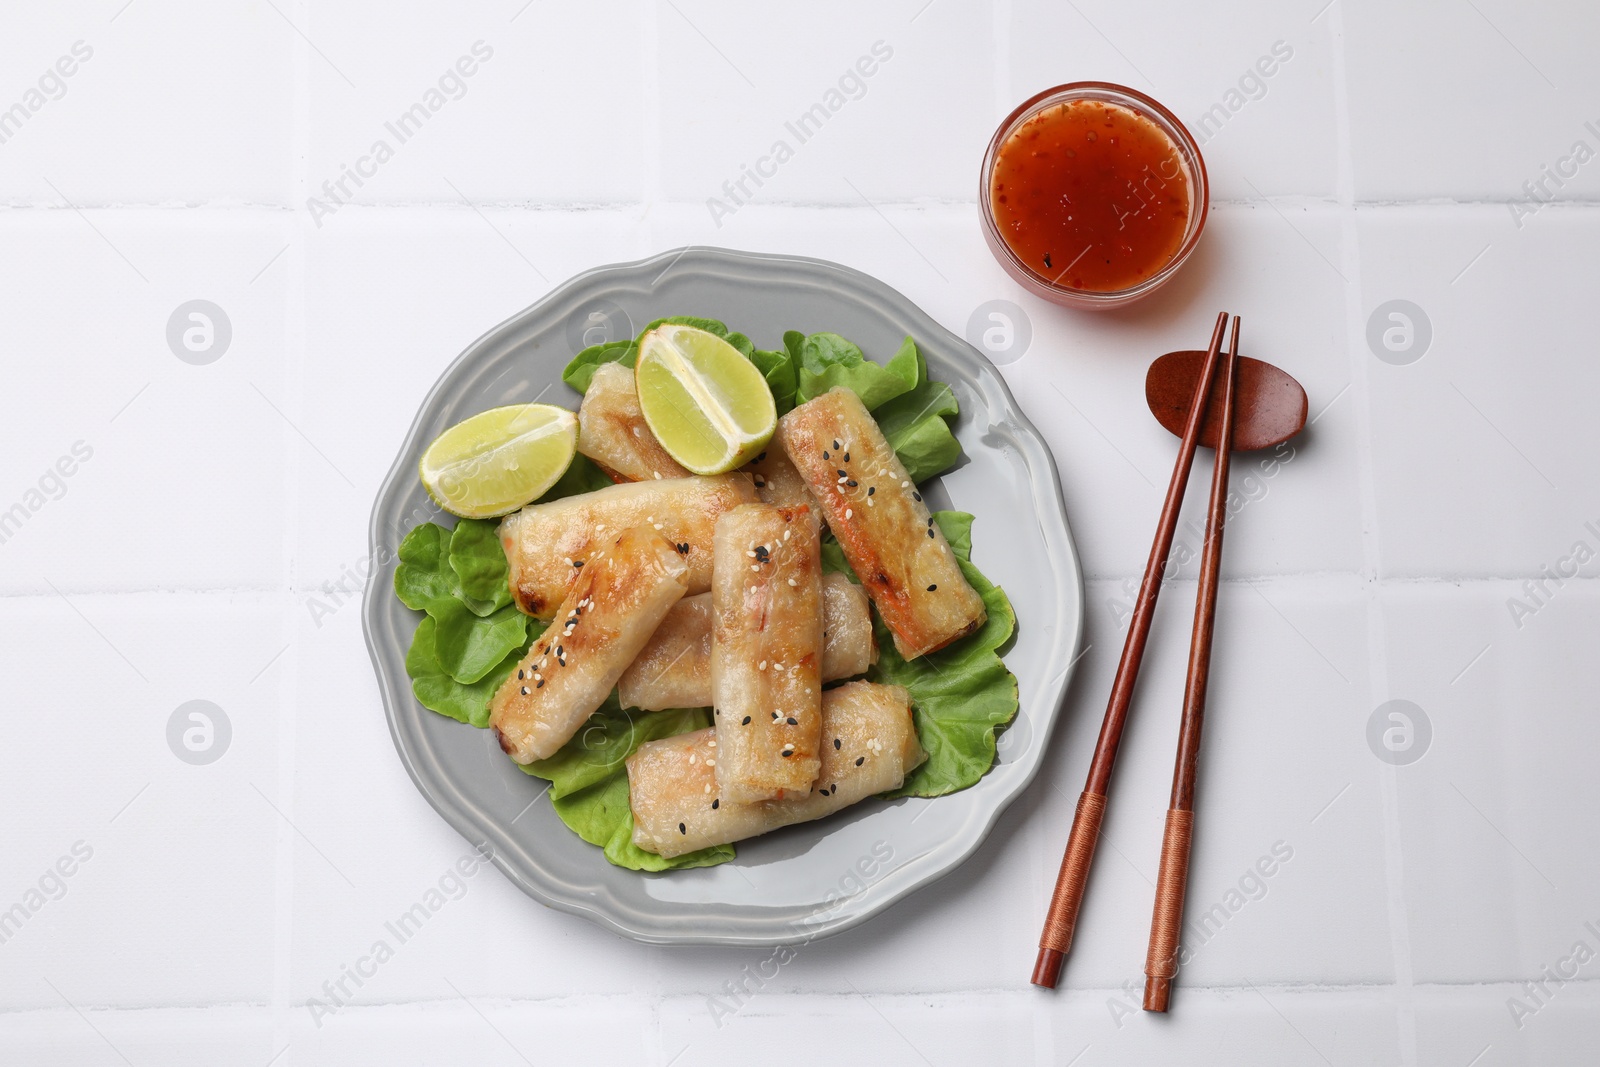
(766, 651)
(612, 430)
(777, 481)
(674, 670)
(547, 545)
(885, 529)
(870, 745)
(609, 613)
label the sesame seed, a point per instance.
(917, 497)
(683, 549)
(931, 588)
(577, 563)
(659, 526)
(708, 787)
(793, 721)
(524, 690)
(746, 721)
(842, 474)
(761, 666)
(836, 744)
(824, 453)
(693, 759)
(870, 502)
(710, 762)
(750, 552)
(847, 457)
(792, 583)
(871, 489)
(601, 528)
(905, 485)
(519, 675)
(712, 744)
(761, 483)
(761, 457)
(836, 445)
(657, 474)
(757, 566)
(930, 531)
(849, 512)
(539, 684)
(851, 483)
(786, 535)
(682, 829)
(860, 760)
(715, 803)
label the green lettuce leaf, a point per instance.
(589, 782)
(580, 372)
(779, 370)
(961, 693)
(479, 563)
(421, 578)
(468, 646)
(916, 427)
(824, 360)
(437, 691)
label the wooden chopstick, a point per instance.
(1161, 961)
(1071, 882)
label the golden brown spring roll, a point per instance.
(547, 545)
(870, 745)
(609, 613)
(674, 670)
(885, 529)
(766, 651)
(777, 481)
(612, 430)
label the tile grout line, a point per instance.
(294, 334)
(1377, 645)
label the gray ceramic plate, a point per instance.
(805, 881)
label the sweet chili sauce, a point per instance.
(1091, 196)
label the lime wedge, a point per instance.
(708, 406)
(500, 459)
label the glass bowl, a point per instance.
(1130, 100)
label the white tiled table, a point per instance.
(192, 554)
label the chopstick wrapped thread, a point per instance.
(1071, 882)
(1161, 961)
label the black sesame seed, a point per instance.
(851, 483)
(519, 675)
(559, 651)
(842, 474)
(524, 690)
(836, 744)
(825, 453)
(917, 497)
(930, 531)
(539, 684)
(577, 563)
(716, 804)
(931, 588)
(836, 444)
(683, 549)
(793, 721)
(761, 457)
(871, 489)
(682, 829)
(860, 760)
(746, 721)
(786, 753)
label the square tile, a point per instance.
(1480, 444)
(165, 103)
